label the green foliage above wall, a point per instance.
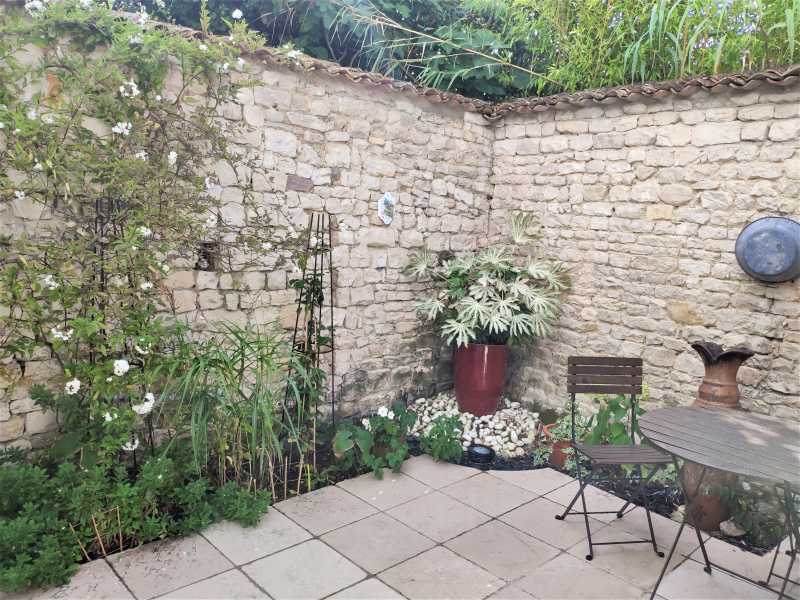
(496, 49)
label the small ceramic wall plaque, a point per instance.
(386, 208)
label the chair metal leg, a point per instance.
(646, 503)
(578, 494)
(589, 556)
(707, 568)
(794, 535)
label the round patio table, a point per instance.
(753, 446)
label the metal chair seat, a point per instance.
(623, 455)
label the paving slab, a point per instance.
(637, 564)
(370, 589)
(95, 580)
(502, 550)
(567, 578)
(308, 571)
(488, 494)
(393, 489)
(241, 545)
(230, 585)
(596, 499)
(537, 481)
(325, 509)
(441, 574)
(377, 542)
(434, 473)
(511, 592)
(635, 523)
(160, 567)
(690, 582)
(746, 563)
(438, 516)
(537, 518)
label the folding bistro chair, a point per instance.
(610, 375)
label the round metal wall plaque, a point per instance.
(768, 249)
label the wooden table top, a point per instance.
(736, 441)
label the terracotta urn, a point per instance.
(718, 389)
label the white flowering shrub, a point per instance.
(494, 296)
(379, 442)
(114, 170)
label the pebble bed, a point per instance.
(510, 431)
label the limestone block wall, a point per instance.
(313, 143)
(644, 200)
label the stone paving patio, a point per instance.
(433, 531)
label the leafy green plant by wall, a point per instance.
(489, 297)
(111, 140)
(378, 442)
(442, 438)
(499, 49)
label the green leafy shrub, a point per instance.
(49, 519)
(442, 438)
(379, 442)
(755, 508)
(611, 423)
(487, 298)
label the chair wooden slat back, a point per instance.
(604, 375)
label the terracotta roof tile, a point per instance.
(495, 110)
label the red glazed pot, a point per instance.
(479, 373)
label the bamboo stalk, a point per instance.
(119, 529)
(99, 538)
(286, 478)
(272, 478)
(78, 539)
(299, 475)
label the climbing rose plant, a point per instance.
(114, 151)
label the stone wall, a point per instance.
(315, 143)
(644, 200)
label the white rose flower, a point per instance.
(129, 89)
(131, 446)
(390, 415)
(64, 336)
(121, 366)
(145, 231)
(72, 387)
(145, 407)
(141, 155)
(146, 285)
(50, 282)
(158, 97)
(172, 158)
(122, 128)
(19, 194)
(367, 425)
(383, 411)
(34, 7)
(108, 417)
(237, 14)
